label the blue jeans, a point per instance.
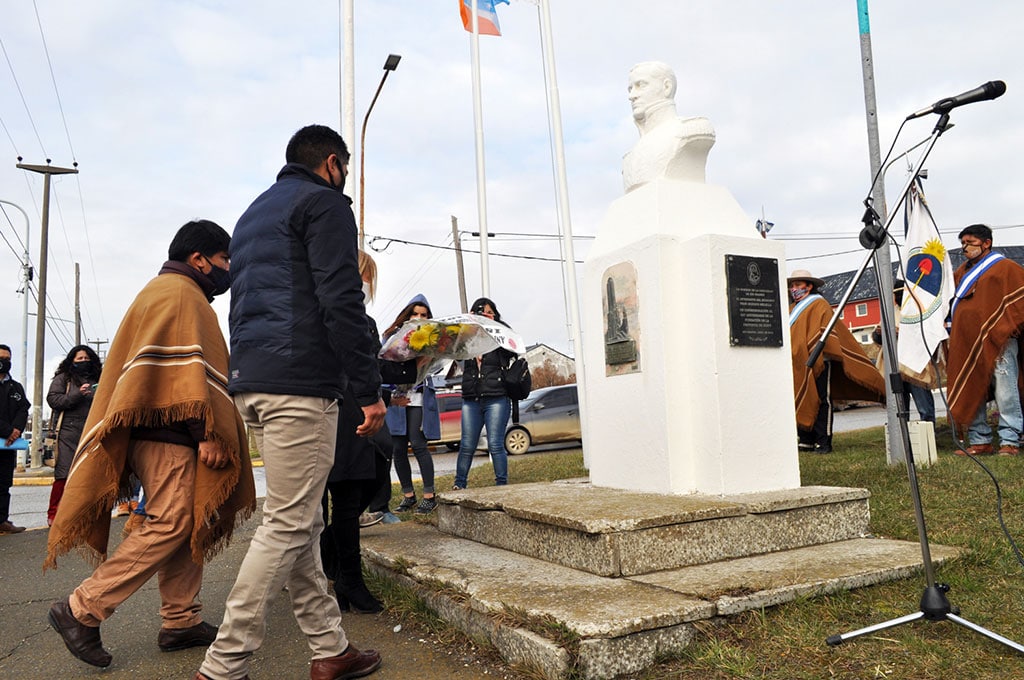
(1011, 421)
(475, 412)
(923, 400)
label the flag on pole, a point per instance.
(928, 288)
(486, 15)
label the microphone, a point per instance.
(990, 90)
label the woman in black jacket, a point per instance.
(70, 398)
(362, 465)
(484, 401)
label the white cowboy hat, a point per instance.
(804, 275)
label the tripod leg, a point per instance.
(835, 640)
(987, 633)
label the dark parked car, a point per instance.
(548, 415)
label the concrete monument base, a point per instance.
(627, 575)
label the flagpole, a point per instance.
(555, 114)
(481, 184)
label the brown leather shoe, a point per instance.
(976, 450)
(1009, 450)
(82, 641)
(200, 635)
(350, 664)
(8, 528)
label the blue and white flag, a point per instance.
(928, 288)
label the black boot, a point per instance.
(356, 597)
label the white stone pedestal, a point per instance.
(699, 415)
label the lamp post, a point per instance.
(390, 65)
(26, 271)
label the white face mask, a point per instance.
(366, 293)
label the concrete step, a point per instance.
(560, 620)
(613, 532)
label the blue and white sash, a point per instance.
(972, 277)
(801, 306)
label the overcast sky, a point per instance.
(181, 109)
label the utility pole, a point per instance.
(98, 344)
(883, 260)
(458, 264)
(37, 393)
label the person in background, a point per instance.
(413, 418)
(70, 398)
(299, 336)
(484, 402)
(987, 320)
(14, 407)
(842, 370)
(163, 412)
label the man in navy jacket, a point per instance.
(299, 335)
(13, 418)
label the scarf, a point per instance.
(168, 363)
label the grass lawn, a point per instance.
(788, 642)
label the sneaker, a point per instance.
(121, 509)
(426, 506)
(368, 519)
(8, 528)
(407, 504)
(391, 518)
(823, 448)
(803, 446)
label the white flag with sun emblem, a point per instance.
(928, 288)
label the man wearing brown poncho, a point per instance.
(987, 316)
(842, 371)
(163, 412)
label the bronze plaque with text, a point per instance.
(755, 308)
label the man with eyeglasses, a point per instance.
(987, 318)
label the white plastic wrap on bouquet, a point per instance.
(450, 338)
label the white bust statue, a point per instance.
(669, 146)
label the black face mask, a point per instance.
(220, 278)
(5, 366)
(81, 367)
(339, 187)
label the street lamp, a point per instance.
(26, 269)
(390, 65)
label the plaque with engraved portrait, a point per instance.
(755, 308)
(621, 306)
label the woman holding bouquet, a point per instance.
(413, 418)
(484, 401)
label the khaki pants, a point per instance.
(161, 545)
(296, 437)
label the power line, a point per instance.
(21, 94)
(53, 79)
(389, 240)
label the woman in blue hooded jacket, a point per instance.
(413, 418)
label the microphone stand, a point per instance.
(934, 605)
